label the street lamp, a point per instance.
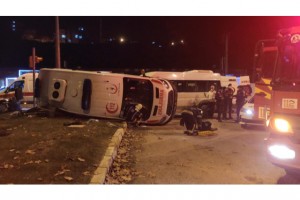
(122, 40)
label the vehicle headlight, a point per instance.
(282, 152)
(281, 125)
(249, 112)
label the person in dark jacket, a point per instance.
(240, 101)
(220, 102)
(229, 91)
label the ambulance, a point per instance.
(24, 81)
(106, 95)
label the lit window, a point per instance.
(153, 42)
(63, 36)
(76, 36)
(80, 37)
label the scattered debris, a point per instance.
(68, 178)
(86, 173)
(76, 126)
(109, 124)
(72, 123)
(92, 120)
(81, 159)
(29, 151)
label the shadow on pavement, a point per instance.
(289, 179)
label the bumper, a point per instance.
(258, 122)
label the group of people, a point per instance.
(223, 98)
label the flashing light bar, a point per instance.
(9, 80)
(25, 71)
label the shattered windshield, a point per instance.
(288, 66)
(138, 91)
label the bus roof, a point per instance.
(187, 75)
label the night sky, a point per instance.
(204, 36)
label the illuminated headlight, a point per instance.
(249, 112)
(282, 152)
(281, 125)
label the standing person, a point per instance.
(240, 100)
(228, 100)
(220, 102)
(225, 103)
(211, 95)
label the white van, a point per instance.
(106, 95)
(24, 81)
(192, 87)
(226, 80)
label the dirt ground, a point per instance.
(36, 149)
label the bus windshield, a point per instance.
(138, 91)
(288, 63)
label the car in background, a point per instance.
(248, 117)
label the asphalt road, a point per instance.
(233, 156)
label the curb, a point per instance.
(108, 158)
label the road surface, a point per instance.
(233, 156)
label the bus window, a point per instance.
(191, 86)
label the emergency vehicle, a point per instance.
(192, 87)
(283, 143)
(106, 95)
(257, 108)
(24, 81)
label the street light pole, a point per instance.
(57, 43)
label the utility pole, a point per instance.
(100, 30)
(33, 74)
(57, 43)
(226, 54)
